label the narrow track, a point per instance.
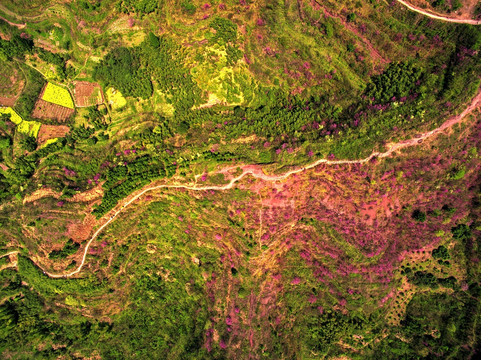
(439, 16)
(257, 173)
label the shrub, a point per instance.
(188, 8)
(441, 253)
(70, 248)
(461, 232)
(226, 30)
(351, 17)
(419, 215)
(29, 143)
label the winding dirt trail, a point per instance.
(257, 172)
(436, 16)
(9, 253)
(367, 43)
(19, 26)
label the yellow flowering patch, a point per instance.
(57, 95)
(14, 117)
(50, 141)
(115, 98)
(31, 128)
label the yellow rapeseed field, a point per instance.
(57, 95)
(14, 117)
(31, 128)
(115, 98)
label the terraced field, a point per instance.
(263, 180)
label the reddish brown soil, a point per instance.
(47, 110)
(7, 98)
(81, 231)
(51, 131)
(7, 101)
(85, 94)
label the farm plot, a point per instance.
(115, 98)
(14, 117)
(49, 104)
(31, 128)
(87, 94)
(48, 110)
(57, 95)
(11, 84)
(49, 132)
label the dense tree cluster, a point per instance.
(436, 325)
(28, 98)
(163, 60)
(25, 165)
(59, 60)
(122, 180)
(225, 30)
(137, 6)
(158, 310)
(441, 252)
(16, 47)
(132, 70)
(324, 329)
(396, 82)
(29, 143)
(121, 69)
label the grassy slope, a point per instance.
(215, 274)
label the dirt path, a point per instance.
(257, 172)
(437, 16)
(19, 26)
(372, 50)
(9, 253)
(23, 17)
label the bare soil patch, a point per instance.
(41, 193)
(81, 231)
(85, 196)
(88, 195)
(11, 85)
(6, 101)
(47, 110)
(51, 132)
(87, 94)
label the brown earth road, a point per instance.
(257, 172)
(436, 16)
(9, 253)
(372, 50)
(19, 26)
